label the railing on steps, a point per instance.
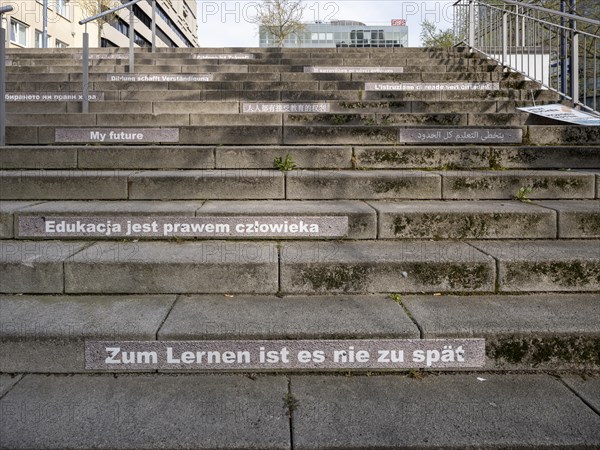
(86, 43)
(559, 50)
(3, 9)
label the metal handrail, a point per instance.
(108, 12)
(86, 44)
(545, 45)
(542, 9)
(3, 10)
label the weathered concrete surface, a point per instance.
(545, 266)
(464, 220)
(563, 134)
(34, 267)
(116, 208)
(360, 267)
(146, 157)
(164, 268)
(63, 185)
(576, 219)
(38, 158)
(7, 211)
(587, 388)
(7, 382)
(314, 317)
(146, 411)
(564, 157)
(381, 184)
(47, 333)
(362, 219)
(541, 331)
(455, 411)
(506, 184)
(207, 184)
(409, 157)
(264, 157)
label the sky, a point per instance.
(229, 23)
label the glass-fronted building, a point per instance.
(341, 33)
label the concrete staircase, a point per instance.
(465, 219)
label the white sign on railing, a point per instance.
(564, 114)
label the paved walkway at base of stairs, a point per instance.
(211, 411)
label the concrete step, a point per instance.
(474, 157)
(552, 332)
(372, 120)
(139, 267)
(524, 266)
(304, 157)
(200, 411)
(234, 107)
(468, 220)
(101, 76)
(318, 135)
(318, 184)
(149, 185)
(383, 220)
(27, 219)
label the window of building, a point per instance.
(18, 33)
(162, 13)
(62, 8)
(61, 44)
(38, 39)
(106, 43)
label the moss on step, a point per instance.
(575, 350)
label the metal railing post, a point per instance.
(574, 75)
(85, 106)
(153, 26)
(504, 37)
(45, 24)
(131, 38)
(471, 24)
(3, 9)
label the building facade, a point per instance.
(176, 24)
(342, 33)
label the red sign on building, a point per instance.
(398, 22)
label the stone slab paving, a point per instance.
(117, 208)
(364, 267)
(450, 411)
(264, 157)
(362, 219)
(382, 184)
(544, 184)
(588, 388)
(553, 331)
(409, 157)
(564, 134)
(7, 382)
(545, 266)
(464, 220)
(63, 184)
(314, 317)
(146, 157)
(164, 268)
(36, 158)
(580, 157)
(47, 333)
(34, 267)
(207, 184)
(7, 209)
(146, 411)
(576, 219)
